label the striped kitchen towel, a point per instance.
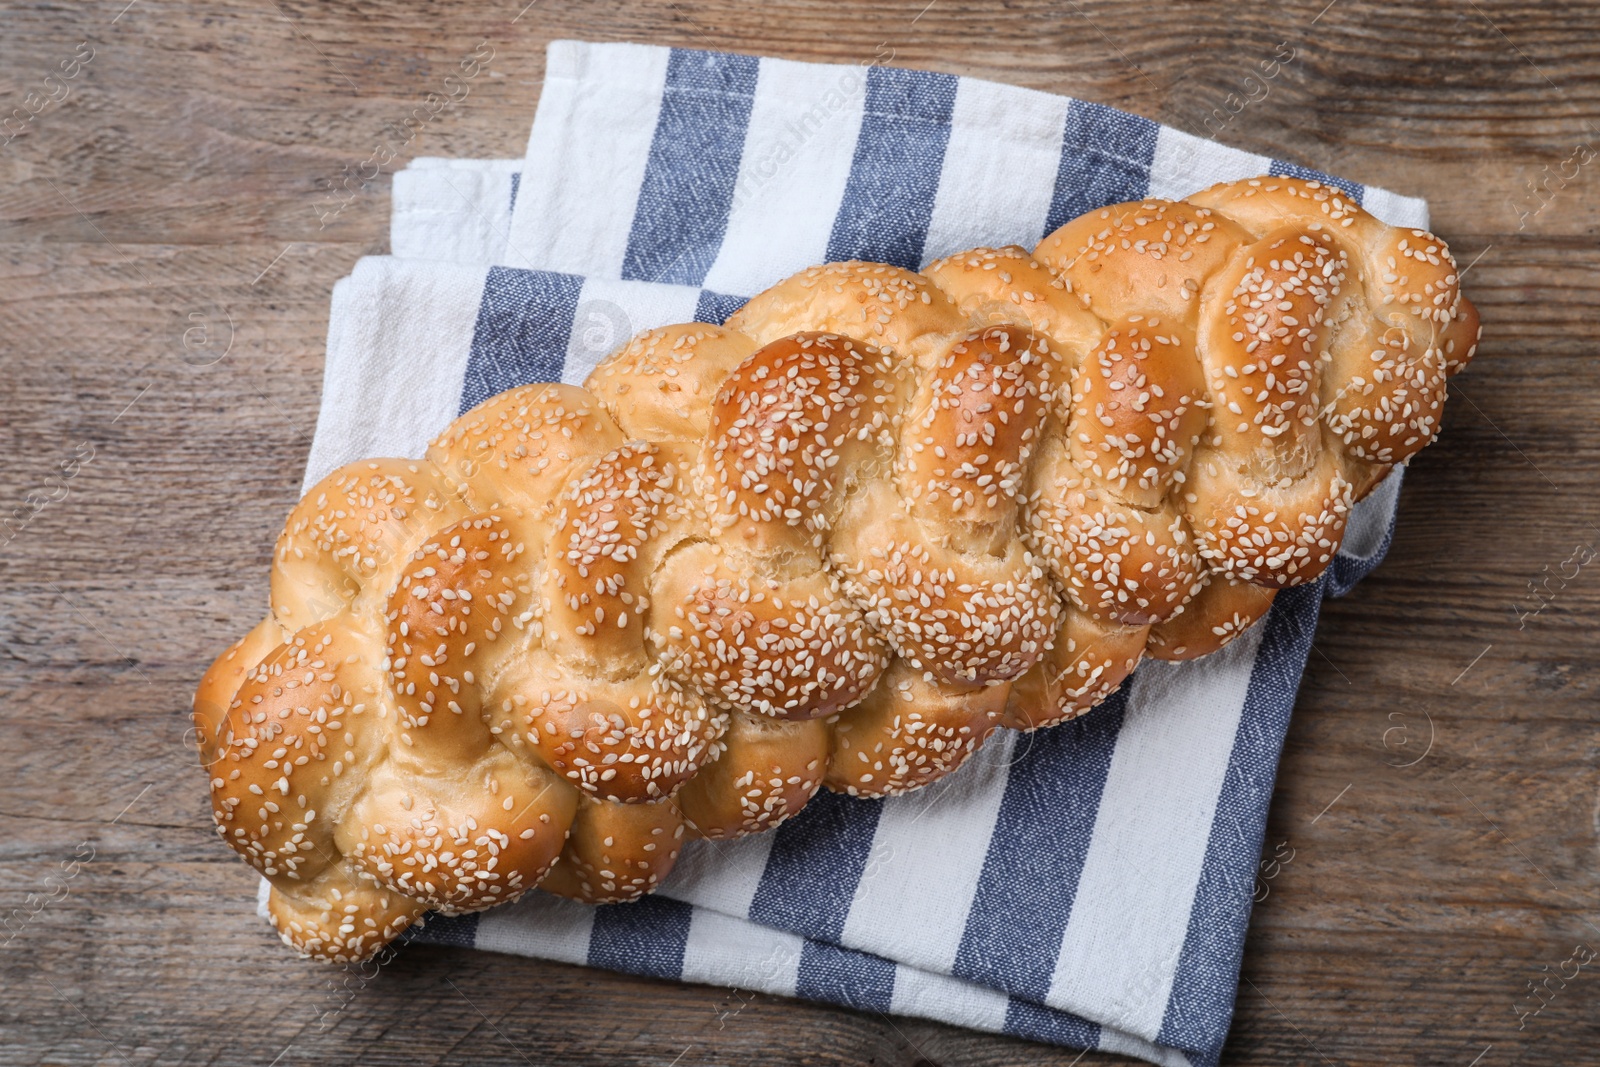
(1087, 885)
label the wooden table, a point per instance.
(164, 281)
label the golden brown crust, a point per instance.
(481, 837)
(522, 446)
(296, 748)
(221, 682)
(769, 769)
(909, 731)
(1148, 258)
(880, 305)
(339, 916)
(352, 527)
(787, 646)
(656, 386)
(617, 851)
(1085, 663)
(838, 542)
(999, 286)
(1222, 610)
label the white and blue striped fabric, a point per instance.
(1087, 885)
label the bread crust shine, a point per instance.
(834, 543)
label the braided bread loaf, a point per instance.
(837, 542)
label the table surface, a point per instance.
(1438, 790)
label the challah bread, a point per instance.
(836, 542)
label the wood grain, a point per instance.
(182, 175)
